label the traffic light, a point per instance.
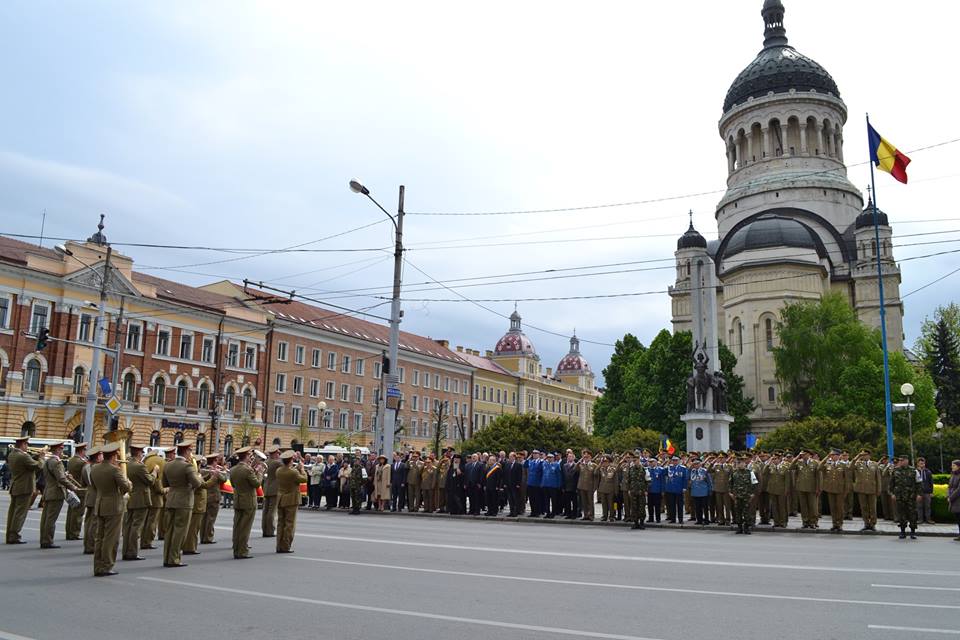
(42, 336)
(386, 364)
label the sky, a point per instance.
(239, 124)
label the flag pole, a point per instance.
(888, 409)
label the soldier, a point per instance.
(414, 470)
(777, 473)
(75, 466)
(170, 454)
(833, 474)
(141, 482)
(215, 467)
(847, 486)
(442, 470)
(761, 500)
(56, 481)
(192, 538)
(111, 487)
(268, 518)
(807, 473)
(866, 484)
(94, 457)
(623, 486)
(289, 477)
(638, 481)
(905, 486)
(743, 483)
(23, 482)
(357, 476)
(606, 486)
(886, 471)
(428, 484)
(182, 479)
(719, 469)
(586, 484)
(245, 481)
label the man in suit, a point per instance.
(473, 479)
(570, 476)
(268, 519)
(141, 483)
(398, 483)
(289, 476)
(111, 487)
(512, 478)
(94, 456)
(23, 482)
(245, 482)
(182, 480)
(414, 477)
(75, 466)
(492, 480)
(215, 467)
(56, 482)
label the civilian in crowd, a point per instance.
(925, 499)
(953, 494)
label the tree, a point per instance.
(822, 433)
(612, 411)
(303, 433)
(529, 431)
(941, 358)
(949, 315)
(439, 415)
(632, 438)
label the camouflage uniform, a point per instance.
(637, 483)
(905, 487)
(356, 486)
(741, 488)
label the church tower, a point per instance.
(791, 226)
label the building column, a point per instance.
(803, 138)
(765, 136)
(782, 131)
(731, 158)
(819, 130)
(750, 154)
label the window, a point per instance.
(484, 393)
(401, 375)
(476, 392)
(230, 400)
(345, 364)
(466, 387)
(203, 396)
(498, 396)
(513, 398)
(159, 389)
(345, 392)
(416, 378)
(282, 351)
(327, 419)
(416, 405)
(299, 354)
(297, 385)
(201, 441)
(314, 388)
(233, 355)
(413, 428)
(446, 383)
(278, 414)
(377, 370)
(343, 419)
(436, 382)
(129, 387)
(315, 360)
(331, 361)
(281, 383)
(358, 367)
(295, 415)
(206, 352)
(250, 358)
(357, 421)
(40, 317)
(4, 312)
(78, 380)
(182, 394)
(771, 395)
(426, 429)
(358, 395)
(311, 418)
(247, 401)
(186, 347)
(163, 342)
(425, 404)
(134, 335)
(83, 328)
(768, 329)
(456, 386)
(329, 391)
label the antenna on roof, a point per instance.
(43, 223)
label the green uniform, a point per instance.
(638, 480)
(151, 525)
(356, 486)
(137, 507)
(74, 526)
(245, 482)
(90, 507)
(742, 483)
(23, 482)
(212, 508)
(586, 485)
(192, 538)
(182, 480)
(833, 478)
(866, 484)
(807, 484)
(288, 502)
(56, 481)
(268, 518)
(777, 481)
(905, 486)
(111, 487)
(414, 475)
(720, 480)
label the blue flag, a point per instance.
(105, 387)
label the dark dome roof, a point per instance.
(772, 231)
(778, 67)
(865, 219)
(691, 239)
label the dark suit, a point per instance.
(568, 498)
(512, 479)
(456, 496)
(398, 485)
(473, 478)
(492, 481)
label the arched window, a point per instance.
(129, 389)
(247, 401)
(78, 381)
(201, 440)
(31, 377)
(178, 437)
(768, 330)
(154, 438)
(873, 248)
(228, 446)
(276, 441)
(28, 429)
(182, 394)
(159, 389)
(231, 399)
(203, 397)
(771, 394)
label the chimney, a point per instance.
(459, 349)
(549, 372)
(443, 343)
(489, 353)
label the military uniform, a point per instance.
(288, 501)
(442, 469)
(905, 486)
(141, 483)
(807, 484)
(761, 499)
(75, 467)
(207, 524)
(152, 523)
(720, 477)
(833, 474)
(23, 483)
(742, 486)
(606, 489)
(111, 487)
(192, 538)
(356, 487)
(182, 480)
(428, 486)
(90, 505)
(245, 482)
(866, 484)
(268, 517)
(55, 482)
(848, 490)
(776, 475)
(886, 497)
(624, 503)
(414, 471)
(586, 485)
(638, 480)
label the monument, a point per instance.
(707, 420)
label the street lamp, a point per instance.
(907, 390)
(391, 365)
(940, 438)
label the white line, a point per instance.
(597, 556)
(606, 585)
(914, 629)
(6, 635)
(907, 586)
(411, 614)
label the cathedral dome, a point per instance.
(514, 342)
(691, 239)
(778, 67)
(773, 231)
(573, 362)
(865, 219)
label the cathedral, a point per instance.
(791, 226)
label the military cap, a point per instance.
(92, 451)
(675, 458)
(835, 452)
(903, 457)
(59, 443)
(136, 447)
(275, 448)
(111, 447)
(865, 451)
(80, 446)
(243, 450)
(288, 455)
(184, 445)
(212, 456)
(19, 439)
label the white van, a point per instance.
(34, 443)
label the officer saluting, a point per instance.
(111, 487)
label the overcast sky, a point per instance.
(236, 124)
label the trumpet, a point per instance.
(38, 454)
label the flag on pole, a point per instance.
(886, 156)
(667, 445)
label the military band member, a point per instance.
(94, 457)
(23, 483)
(141, 484)
(170, 455)
(151, 524)
(289, 477)
(833, 474)
(56, 481)
(182, 480)
(245, 480)
(75, 466)
(111, 487)
(192, 539)
(866, 484)
(215, 467)
(268, 519)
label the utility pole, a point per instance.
(91, 408)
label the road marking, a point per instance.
(914, 629)
(397, 612)
(606, 585)
(597, 556)
(6, 635)
(908, 586)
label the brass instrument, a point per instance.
(123, 436)
(39, 454)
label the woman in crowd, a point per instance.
(953, 493)
(381, 483)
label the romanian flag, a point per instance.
(667, 445)
(303, 488)
(226, 487)
(886, 157)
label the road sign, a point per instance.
(113, 405)
(393, 392)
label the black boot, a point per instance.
(747, 531)
(913, 533)
(739, 528)
(903, 532)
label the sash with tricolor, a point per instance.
(492, 469)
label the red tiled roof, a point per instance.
(484, 363)
(12, 250)
(185, 294)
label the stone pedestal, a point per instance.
(707, 431)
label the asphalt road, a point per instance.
(371, 576)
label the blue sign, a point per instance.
(105, 387)
(393, 392)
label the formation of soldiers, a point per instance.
(174, 497)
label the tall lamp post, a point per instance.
(940, 439)
(906, 389)
(390, 373)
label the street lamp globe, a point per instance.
(358, 187)
(62, 250)
(322, 406)
(906, 389)
(939, 426)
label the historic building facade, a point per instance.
(791, 225)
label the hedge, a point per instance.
(939, 507)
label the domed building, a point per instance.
(791, 225)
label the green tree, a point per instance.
(632, 438)
(821, 433)
(941, 358)
(948, 314)
(613, 411)
(440, 414)
(529, 431)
